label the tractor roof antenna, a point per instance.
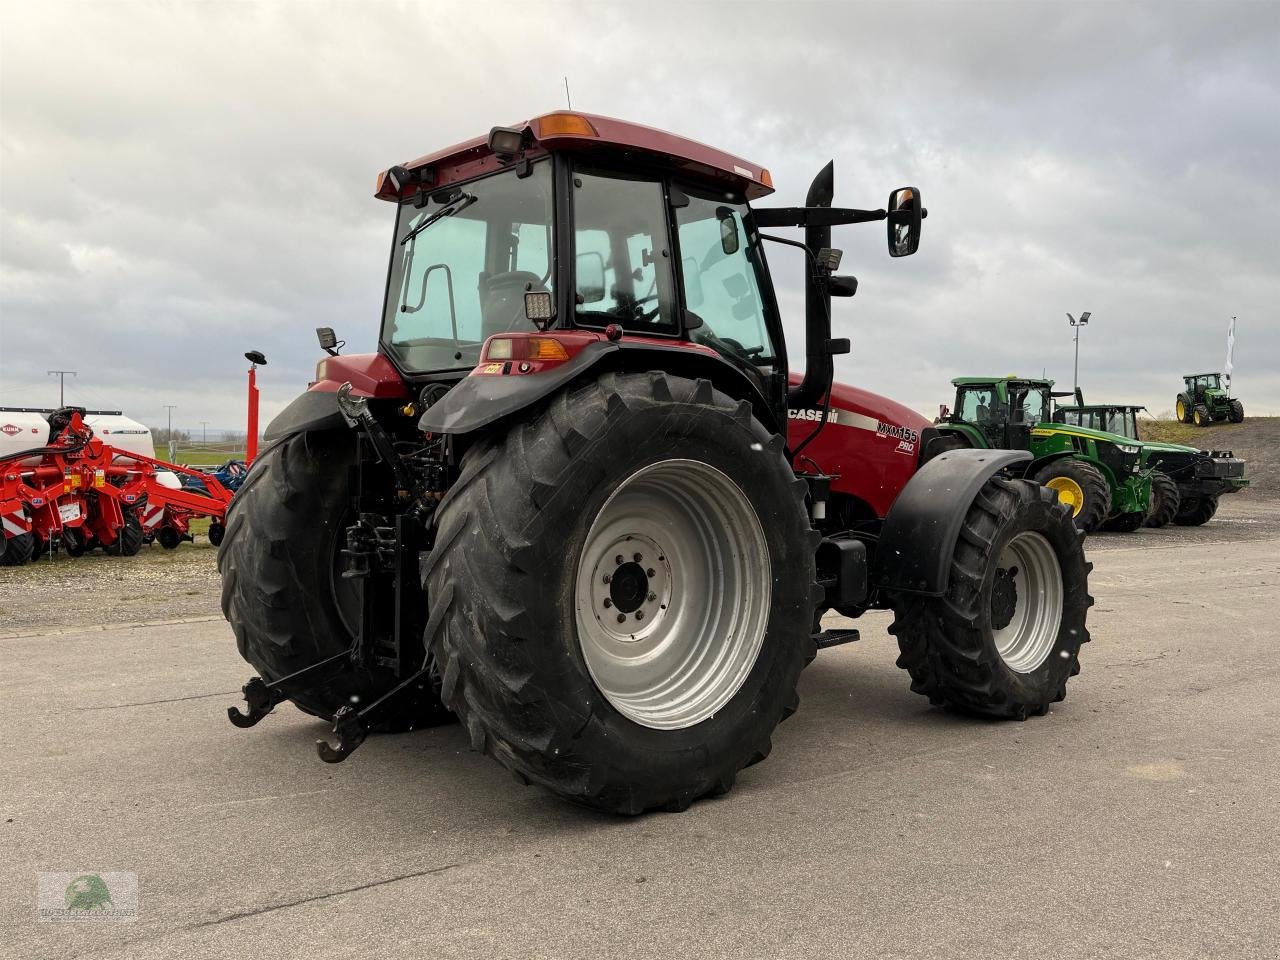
(567, 99)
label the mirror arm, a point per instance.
(814, 216)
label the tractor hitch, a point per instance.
(262, 697)
(350, 730)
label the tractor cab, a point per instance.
(1201, 385)
(1003, 410)
(1120, 419)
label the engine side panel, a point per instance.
(871, 444)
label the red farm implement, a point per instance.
(78, 492)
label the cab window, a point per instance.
(719, 273)
(977, 404)
(622, 254)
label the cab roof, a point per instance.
(1101, 406)
(1213, 373)
(582, 133)
(984, 381)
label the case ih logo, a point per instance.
(9, 429)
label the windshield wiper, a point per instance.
(456, 205)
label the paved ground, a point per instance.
(1139, 819)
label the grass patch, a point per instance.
(1174, 431)
(205, 458)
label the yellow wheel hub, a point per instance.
(1069, 492)
(1182, 411)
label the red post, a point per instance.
(251, 452)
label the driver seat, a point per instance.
(502, 301)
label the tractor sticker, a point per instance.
(906, 437)
(68, 512)
(9, 429)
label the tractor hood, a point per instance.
(1049, 428)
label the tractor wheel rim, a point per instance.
(1182, 410)
(1031, 632)
(1069, 492)
(672, 594)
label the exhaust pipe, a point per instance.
(819, 370)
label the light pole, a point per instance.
(173, 451)
(1082, 322)
(204, 432)
(62, 379)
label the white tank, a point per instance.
(123, 433)
(22, 430)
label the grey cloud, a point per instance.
(181, 183)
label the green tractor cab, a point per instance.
(1185, 482)
(1097, 473)
(1205, 400)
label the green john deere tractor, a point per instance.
(1185, 482)
(1206, 401)
(1097, 474)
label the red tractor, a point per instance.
(578, 501)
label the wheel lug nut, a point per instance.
(608, 579)
(622, 618)
(637, 558)
(639, 614)
(650, 573)
(618, 559)
(652, 597)
(608, 602)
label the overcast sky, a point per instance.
(181, 182)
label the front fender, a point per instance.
(919, 535)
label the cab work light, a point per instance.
(505, 142)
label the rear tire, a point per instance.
(1005, 638)
(282, 591)
(1082, 487)
(545, 683)
(1196, 511)
(1165, 500)
(1184, 408)
(1237, 412)
(18, 550)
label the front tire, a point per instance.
(658, 710)
(282, 589)
(1201, 417)
(1165, 500)
(1082, 487)
(18, 550)
(1237, 411)
(1196, 511)
(1005, 638)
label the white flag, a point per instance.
(1231, 349)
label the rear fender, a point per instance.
(480, 402)
(919, 535)
(371, 375)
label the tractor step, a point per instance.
(833, 638)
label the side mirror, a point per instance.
(693, 295)
(903, 219)
(729, 242)
(589, 268)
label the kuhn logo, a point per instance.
(9, 429)
(898, 433)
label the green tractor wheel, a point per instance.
(1196, 511)
(1082, 487)
(1201, 417)
(1236, 414)
(1165, 500)
(1184, 409)
(1125, 522)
